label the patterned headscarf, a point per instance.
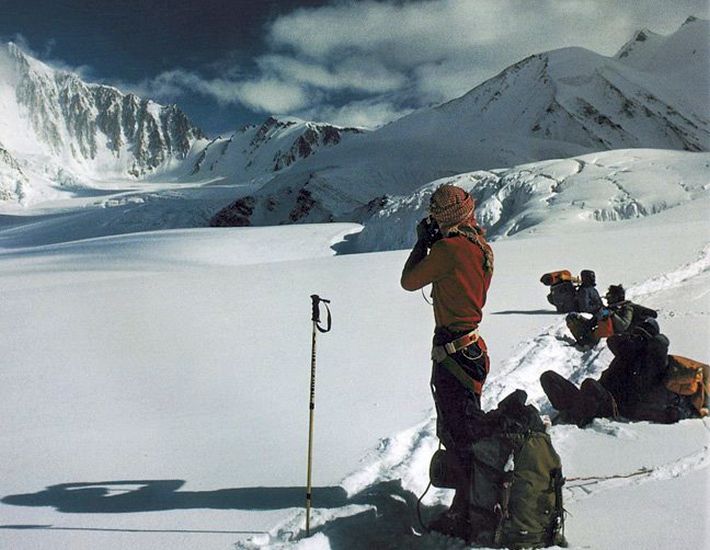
(452, 208)
(450, 205)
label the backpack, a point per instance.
(563, 297)
(516, 481)
(641, 313)
(691, 378)
(555, 277)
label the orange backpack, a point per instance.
(686, 376)
(554, 277)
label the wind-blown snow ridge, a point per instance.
(397, 457)
(674, 278)
(551, 350)
(602, 187)
(592, 486)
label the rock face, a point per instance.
(653, 94)
(313, 137)
(96, 127)
(12, 180)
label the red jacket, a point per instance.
(460, 283)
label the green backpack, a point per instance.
(516, 489)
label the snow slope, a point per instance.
(154, 387)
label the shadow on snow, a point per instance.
(113, 497)
(390, 517)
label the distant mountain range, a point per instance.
(653, 94)
(57, 131)
(89, 129)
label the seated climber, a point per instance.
(635, 385)
(569, 293)
(619, 316)
(586, 297)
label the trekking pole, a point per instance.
(315, 300)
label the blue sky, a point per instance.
(232, 62)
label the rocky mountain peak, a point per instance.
(94, 124)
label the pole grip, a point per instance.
(315, 312)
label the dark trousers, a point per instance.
(458, 410)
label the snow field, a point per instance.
(184, 355)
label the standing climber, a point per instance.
(452, 254)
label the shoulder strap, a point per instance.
(468, 382)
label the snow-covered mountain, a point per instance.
(52, 120)
(12, 179)
(62, 132)
(653, 94)
(257, 151)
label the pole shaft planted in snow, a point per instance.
(315, 304)
(311, 408)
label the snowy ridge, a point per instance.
(675, 278)
(609, 186)
(639, 50)
(256, 152)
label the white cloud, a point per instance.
(272, 95)
(362, 114)
(429, 30)
(356, 73)
(269, 95)
(443, 48)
